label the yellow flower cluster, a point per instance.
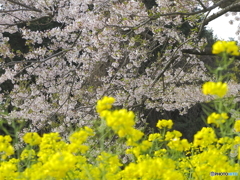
(152, 168)
(6, 148)
(154, 137)
(8, 169)
(140, 148)
(78, 138)
(215, 88)
(104, 104)
(217, 119)
(224, 144)
(160, 153)
(157, 156)
(229, 47)
(210, 160)
(32, 138)
(237, 126)
(121, 121)
(204, 138)
(164, 123)
(179, 145)
(55, 159)
(28, 154)
(171, 135)
(175, 142)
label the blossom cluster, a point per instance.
(78, 51)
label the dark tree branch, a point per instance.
(14, 10)
(21, 21)
(206, 52)
(200, 2)
(196, 12)
(24, 5)
(39, 61)
(220, 13)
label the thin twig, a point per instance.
(200, 2)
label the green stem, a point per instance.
(102, 135)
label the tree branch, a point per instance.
(206, 52)
(14, 10)
(196, 12)
(40, 61)
(200, 2)
(24, 5)
(18, 23)
(220, 13)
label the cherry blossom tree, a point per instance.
(135, 51)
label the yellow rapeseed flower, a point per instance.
(204, 138)
(217, 119)
(78, 138)
(50, 144)
(237, 126)
(109, 163)
(154, 136)
(142, 147)
(81, 136)
(160, 152)
(32, 138)
(239, 153)
(164, 123)
(104, 104)
(6, 148)
(213, 159)
(171, 135)
(59, 164)
(152, 168)
(224, 144)
(179, 145)
(27, 154)
(122, 122)
(230, 47)
(215, 88)
(8, 169)
(133, 136)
